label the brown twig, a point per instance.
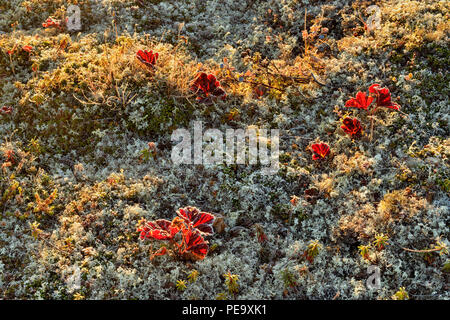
(422, 251)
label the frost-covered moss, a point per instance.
(74, 184)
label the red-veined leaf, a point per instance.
(362, 101)
(202, 221)
(160, 229)
(195, 245)
(320, 150)
(352, 127)
(383, 97)
(147, 58)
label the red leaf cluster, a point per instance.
(361, 101)
(193, 244)
(50, 23)
(202, 221)
(207, 86)
(382, 96)
(160, 229)
(190, 223)
(27, 48)
(320, 150)
(352, 127)
(147, 58)
(5, 110)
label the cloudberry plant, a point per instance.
(207, 88)
(320, 150)
(352, 127)
(382, 98)
(184, 233)
(148, 58)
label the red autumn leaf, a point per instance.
(352, 127)
(206, 86)
(320, 150)
(160, 229)
(27, 48)
(194, 244)
(191, 223)
(202, 221)
(50, 23)
(383, 97)
(294, 200)
(5, 110)
(147, 58)
(362, 101)
(262, 237)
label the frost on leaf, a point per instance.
(190, 224)
(362, 101)
(147, 57)
(160, 229)
(320, 150)
(194, 243)
(383, 97)
(202, 221)
(352, 127)
(206, 86)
